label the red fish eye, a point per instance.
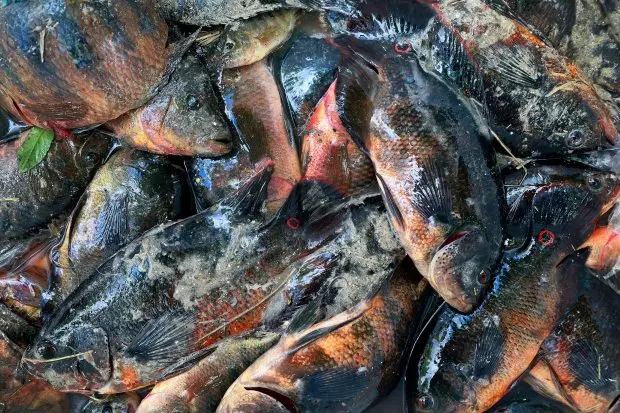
(403, 47)
(483, 277)
(293, 223)
(546, 237)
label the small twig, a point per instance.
(42, 30)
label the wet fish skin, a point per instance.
(471, 360)
(31, 199)
(579, 360)
(131, 193)
(250, 41)
(342, 364)
(44, 82)
(184, 118)
(430, 158)
(18, 330)
(124, 403)
(179, 289)
(254, 106)
(201, 388)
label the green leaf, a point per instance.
(34, 148)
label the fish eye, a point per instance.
(193, 103)
(106, 409)
(47, 350)
(92, 158)
(483, 277)
(594, 184)
(293, 223)
(403, 47)
(575, 138)
(229, 45)
(425, 402)
(546, 237)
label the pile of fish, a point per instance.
(309, 206)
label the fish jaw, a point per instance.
(459, 270)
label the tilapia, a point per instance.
(342, 364)
(254, 106)
(184, 118)
(471, 361)
(30, 200)
(433, 164)
(250, 41)
(579, 362)
(181, 288)
(65, 65)
(133, 192)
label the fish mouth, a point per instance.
(256, 398)
(217, 147)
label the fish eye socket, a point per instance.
(47, 350)
(425, 402)
(229, 45)
(594, 184)
(403, 47)
(546, 237)
(92, 158)
(483, 277)
(193, 103)
(575, 138)
(293, 223)
(107, 409)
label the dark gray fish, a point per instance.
(30, 200)
(133, 192)
(181, 288)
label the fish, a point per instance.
(184, 118)
(342, 364)
(306, 71)
(529, 407)
(328, 149)
(30, 200)
(25, 273)
(254, 106)
(604, 245)
(434, 166)
(250, 41)
(218, 12)
(124, 403)
(170, 296)
(580, 30)
(10, 129)
(520, 86)
(201, 388)
(131, 193)
(52, 53)
(17, 330)
(578, 363)
(471, 361)
(19, 393)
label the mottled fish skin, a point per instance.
(433, 165)
(342, 364)
(329, 154)
(471, 361)
(250, 41)
(254, 106)
(21, 393)
(133, 192)
(31, 199)
(179, 289)
(200, 389)
(123, 403)
(579, 363)
(536, 100)
(96, 61)
(581, 30)
(307, 70)
(184, 118)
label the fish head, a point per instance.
(72, 359)
(126, 403)
(91, 151)
(461, 268)
(237, 48)
(250, 399)
(447, 392)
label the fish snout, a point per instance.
(246, 399)
(459, 270)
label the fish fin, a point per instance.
(356, 87)
(433, 195)
(165, 339)
(567, 210)
(337, 384)
(111, 225)
(390, 203)
(326, 328)
(249, 198)
(517, 65)
(186, 363)
(487, 353)
(305, 317)
(588, 366)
